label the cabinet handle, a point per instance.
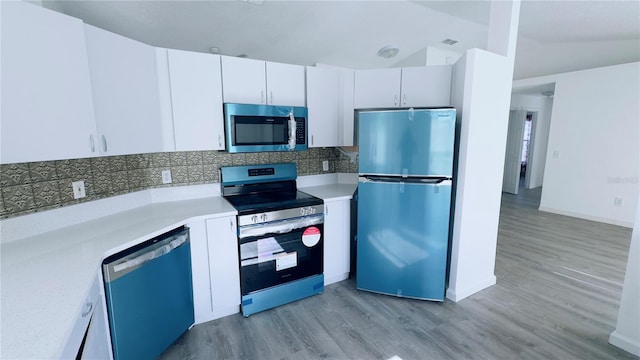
(89, 306)
(261, 96)
(92, 144)
(311, 139)
(219, 140)
(231, 224)
(270, 97)
(104, 143)
(326, 209)
(395, 100)
(404, 99)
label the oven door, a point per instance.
(280, 252)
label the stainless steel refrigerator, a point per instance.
(404, 201)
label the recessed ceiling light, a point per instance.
(388, 51)
(214, 50)
(449, 41)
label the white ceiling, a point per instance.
(554, 36)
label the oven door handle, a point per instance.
(279, 227)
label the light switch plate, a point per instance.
(166, 176)
(78, 189)
(325, 165)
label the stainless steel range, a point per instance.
(280, 235)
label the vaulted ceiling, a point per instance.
(554, 36)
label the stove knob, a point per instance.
(263, 217)
(254, 219)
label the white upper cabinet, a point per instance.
(378, 88)
(47, 109)
(424, 86)
(125, 93)
(248, 81)
(196, 100)
(285, 84)
(323, 93)
(243, 80)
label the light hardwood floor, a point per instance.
(557, 295)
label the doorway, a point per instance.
(519, 150)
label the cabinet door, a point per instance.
(243, 80)
(98, 342)
(426, 86)
(202, 307)
(196, 99)
(323, 94)
(224, 265)
(125, 93)
(347, 131)
(336, 241)
(285, 84)
(47, 109)
(378, 88)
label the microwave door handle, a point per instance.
(292, 131)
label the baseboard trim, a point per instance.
(457, 295)
(626, 224)
(625, 343)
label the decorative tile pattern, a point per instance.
(43, 171)
(178, 158)
(194, 158)
(37, 186)
(118, 163)
(161, 160)
(14, 174)
(18, 198)
(46, 193)
(179, 174)
(195, 174)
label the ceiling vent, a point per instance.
(449, 41)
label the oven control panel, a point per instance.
(261, 218)
(308, 210)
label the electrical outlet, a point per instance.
(325, 165)
(618, 201)
(78, 189)
(166, 176)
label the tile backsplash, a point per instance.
(38, 186)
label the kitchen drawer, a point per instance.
(74, 339)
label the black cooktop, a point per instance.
(269, 196)
(271, 201)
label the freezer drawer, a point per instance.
(406, 142)
(403, 238)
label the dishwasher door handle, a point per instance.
(136, 260)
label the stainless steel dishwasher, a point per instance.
(149, 295)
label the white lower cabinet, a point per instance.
(337, 227)
(215, 270)
(98, 342)
(90, 328)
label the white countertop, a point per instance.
(46, 277)
(331, 192)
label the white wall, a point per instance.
(481, 91)
(627, 333)
(542, 105)
(437, 56)
(594, 143)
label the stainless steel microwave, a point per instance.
(257, 128)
